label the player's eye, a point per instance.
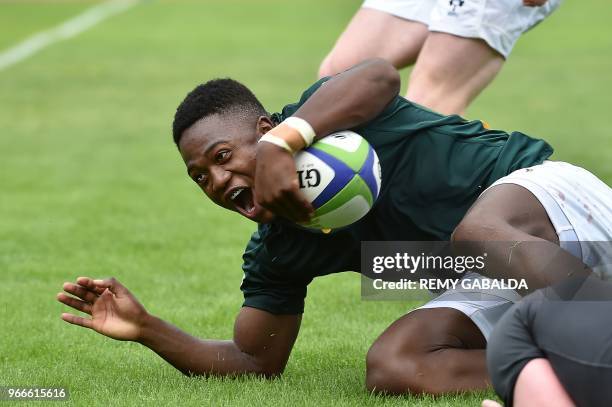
(200, 179)
(222, 156)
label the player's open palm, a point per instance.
(114, 311)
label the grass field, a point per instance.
(91, 184)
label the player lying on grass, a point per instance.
(434, 167)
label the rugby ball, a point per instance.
(340, 175)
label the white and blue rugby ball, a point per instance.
(340, 175)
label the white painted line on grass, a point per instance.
(68, 29)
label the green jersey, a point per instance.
(433, 169)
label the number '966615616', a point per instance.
(33, 393)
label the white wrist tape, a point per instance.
(302, 127)
(270, 138)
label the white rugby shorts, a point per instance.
(579, 206)
(499, 23)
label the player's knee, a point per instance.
(462, 233)
(389, 372)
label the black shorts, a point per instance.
(571, 326)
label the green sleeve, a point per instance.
(265, 285)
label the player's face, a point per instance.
(220, 158)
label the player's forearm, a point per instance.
(193, 356)
(351, 98)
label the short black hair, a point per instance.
(213, 97)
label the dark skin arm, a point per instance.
(261, 345)
(347, 100)
(351, 98)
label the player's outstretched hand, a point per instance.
(277, 185)
(114, 311)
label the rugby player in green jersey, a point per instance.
(443, 178)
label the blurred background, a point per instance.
(91, 183)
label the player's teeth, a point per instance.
(236, 193)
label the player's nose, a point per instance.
(219, 177)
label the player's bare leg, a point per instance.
(434, 351)
(373, 33)
(510, 224)
(451, 71)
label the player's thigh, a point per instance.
(374, 33)
(451, 71)
(505, 207)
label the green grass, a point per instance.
(20, 19)
(92, 185)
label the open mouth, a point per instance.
(243, 201)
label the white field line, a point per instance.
(68, 29)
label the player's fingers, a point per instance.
(89, 284)
(81, 292)
(298, 207)
(276, 206)
(289, 212)
(306, 204)
(282, 210)
(284, 207)
(297, 213)
(301, 199)
(73, 319)
(74, 303)
(112, 284)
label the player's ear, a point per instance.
(264, 125)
